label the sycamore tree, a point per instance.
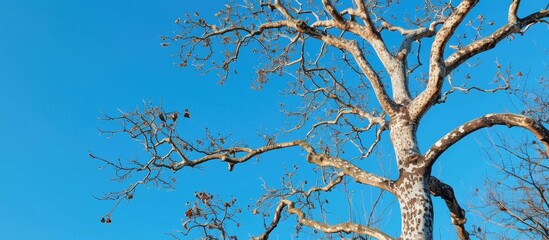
(364, 71)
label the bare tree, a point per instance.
(353, 88)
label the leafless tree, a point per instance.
(354, 89)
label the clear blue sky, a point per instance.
(63, 62)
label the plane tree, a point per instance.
(361, 70)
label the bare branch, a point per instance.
(437, 69)
(321, 160)
(515, 25)
(523, 214)
(353, 171)
(227, 155)
(347, 227)
(444, 191)
(504, 79)
(507, 119)
(330, 8)
(372, 36)
(280, 207)
(358, 54)
(335, 121)
(313, 43)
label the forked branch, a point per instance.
(437, 69)
(514, 25)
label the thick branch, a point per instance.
(399, 77)
(330, 8)
(507, 119)
(413, 34)
(513, 26)
(386, 103)
(347, 227)
(437, 69)
(395, 66)
(273, 225)
(372, 35)
(457, 214)
(277, 5)
(323, 160)
(353, 171)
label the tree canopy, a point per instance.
(360, 77)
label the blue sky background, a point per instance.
(64, 62)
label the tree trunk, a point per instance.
(415, 206)
(412, 187)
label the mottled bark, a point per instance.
(400, 113)
(415, 205)
(412, 186)
(437, 70)
(506, 119)
(457, 214)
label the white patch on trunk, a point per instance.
(417, 211)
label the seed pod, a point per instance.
(161, 116)
(174, 116)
